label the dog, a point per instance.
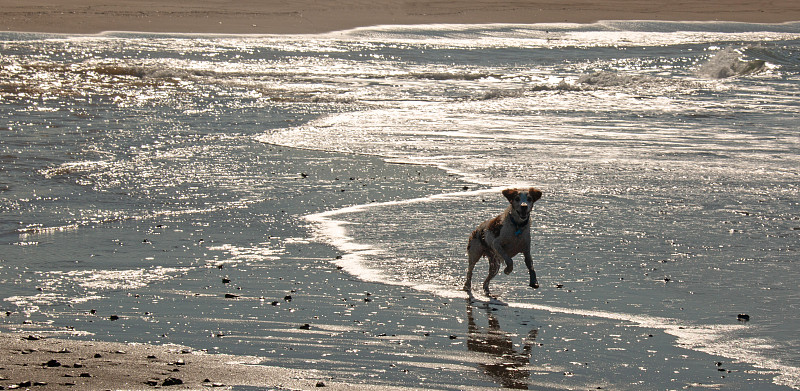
(502, 237)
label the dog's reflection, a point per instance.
(507, 367)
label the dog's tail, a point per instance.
(475, 235)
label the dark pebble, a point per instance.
(226, 280)
(172, 381)
(743, 317)
(320, 384)
(97, 355)
(84, 375)
(113, 317)
(287, 298)
(305, 327)
(52, 364)
(33, 337)
(231, 296)
(25, 384)
(453, 337)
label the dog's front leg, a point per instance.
(498, 249)
(529, 263)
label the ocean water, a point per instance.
(668, 155)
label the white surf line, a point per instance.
(334, 231)
(716, 339)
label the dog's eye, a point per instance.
(516, 198)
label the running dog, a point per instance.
(503, 237)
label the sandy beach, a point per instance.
(33, 360)
(306, 17)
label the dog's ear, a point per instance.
(534, 193)
(510, 194)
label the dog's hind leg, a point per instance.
(494, 267)
(474, 253)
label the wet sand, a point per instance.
(298, 320)
(305, 16)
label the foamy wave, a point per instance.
(148, 72)
(604, 33)
(334, 231)
(614, 79)
(730, 63)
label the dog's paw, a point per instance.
(534, 284)
(508, 269)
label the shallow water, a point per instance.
(667, 154)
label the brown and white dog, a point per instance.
(503, 237)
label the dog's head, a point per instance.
(522, 200)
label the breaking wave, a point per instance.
(730, 63)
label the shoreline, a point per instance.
(309, 17)
(49, 363)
